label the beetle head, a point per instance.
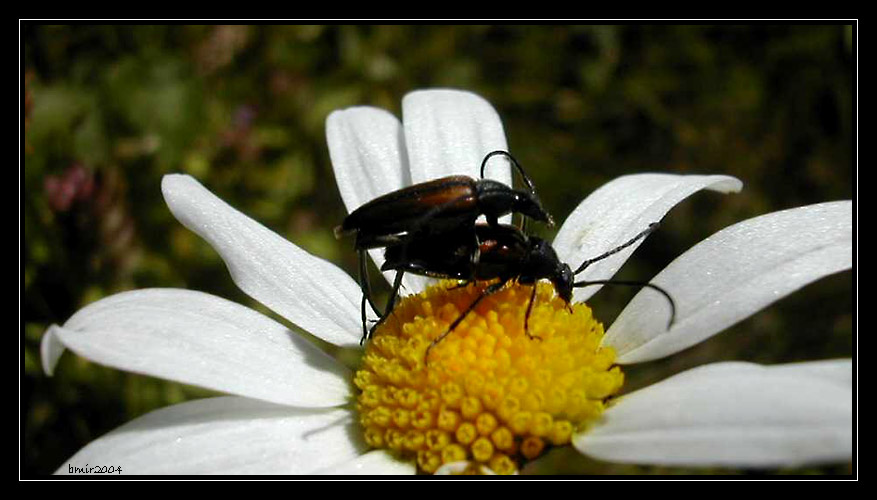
(542, 262)
(496, 199)
(563, 281)
(528, 204)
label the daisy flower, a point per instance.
(490, 399)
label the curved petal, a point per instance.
(308, 291)
(839, 371)
(728, 414)
(200, 339)
(449, 132)
(224, 436)
(733, 274)
(377, 462)
(620, 210)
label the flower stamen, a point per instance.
(489, 393)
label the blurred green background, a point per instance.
(108, 110)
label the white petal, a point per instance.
(839, 371)
(367, 148)
(308, 291)
(620, 210)
(728, 414)
(733, 274)
(224, 436)
(51, 349)
(377, 462)
(199, 339)
(449, 132)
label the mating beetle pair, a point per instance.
(430, 229)
(439, 208)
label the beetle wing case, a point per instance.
(432, 206)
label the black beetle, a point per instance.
(433, 208)
(505, 254)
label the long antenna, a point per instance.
(639, 284)
(652, 227)
(517, 165)
(524, 177)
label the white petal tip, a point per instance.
(442, 92)
(171, 184)
(727, 185)
(51, 350)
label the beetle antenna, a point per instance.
(517, 165)
(521, 171)
(639, 284)
(652, 227)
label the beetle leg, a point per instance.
(394, 294)
(490, 290)
(364, 320)
(527, 316)
(390, 302)
(365, 286)
(476, 253)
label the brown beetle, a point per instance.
(438, 206)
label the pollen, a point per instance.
(488, 391)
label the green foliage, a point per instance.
(110, 109)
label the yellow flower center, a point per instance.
(488, 392)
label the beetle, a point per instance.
(433, 208)
(440, 205)
(506, 254)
